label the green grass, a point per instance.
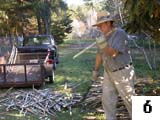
(80, 69)
(141, 67)
(77, 73)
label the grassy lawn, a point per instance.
(77, 73)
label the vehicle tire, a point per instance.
(54, 66)
(51, 78)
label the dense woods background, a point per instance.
(71, 27)
(56, 17)
(35, 17)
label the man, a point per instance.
(20, 40)
(118, 70)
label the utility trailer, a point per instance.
(29, 66)
(21, 75)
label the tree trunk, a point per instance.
(47, 25)
(119, 11)
(39, 25)
(47, 18)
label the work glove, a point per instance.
(101, 42)
(95, 75)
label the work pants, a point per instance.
(117, 83)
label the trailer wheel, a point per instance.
(51, 78)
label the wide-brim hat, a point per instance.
(103, 18)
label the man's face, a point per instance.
(105, 27)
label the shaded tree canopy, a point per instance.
(137, 16)
(143, 16)
(34, 17)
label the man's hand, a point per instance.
(95, 75)
(101, 42)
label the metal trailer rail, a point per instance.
(21, 75)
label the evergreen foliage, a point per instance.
(143, 16)
(60, 27)
(34, 17)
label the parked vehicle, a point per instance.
(35, 60)
(43, 44)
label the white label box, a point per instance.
(145, 107)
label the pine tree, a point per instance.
(143, 16)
